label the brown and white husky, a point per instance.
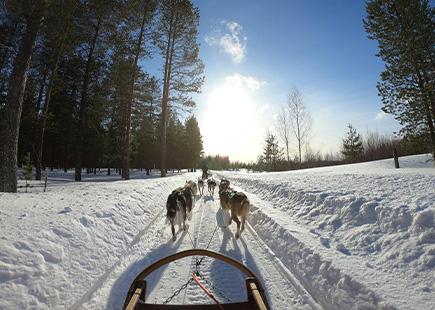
(239, 205)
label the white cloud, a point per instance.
(249, 82)
(231, 40)
(380, 116)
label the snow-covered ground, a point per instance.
(353, 236)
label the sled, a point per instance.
(136, 297)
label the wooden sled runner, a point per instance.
(136, 297)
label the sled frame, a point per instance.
(136, 297)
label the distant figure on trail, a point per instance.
(204, 172)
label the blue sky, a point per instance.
(255, 51)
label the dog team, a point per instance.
(181, 201)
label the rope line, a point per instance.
(196, 274)
(207, 292)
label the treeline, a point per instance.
(355, 148)
(74, 92)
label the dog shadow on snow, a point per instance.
(119, 290)
(225, 277)
(208, 198)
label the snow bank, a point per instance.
(331, 287)
(55, 245)
(369, 228)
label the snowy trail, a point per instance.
(356, 236)
(283, 290)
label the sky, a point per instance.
(256, 51)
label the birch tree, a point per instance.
(300, 119)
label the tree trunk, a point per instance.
(165, 97)
(126, 151)
(11, 116)
(83, 105)
(43, 119)
(41, 92)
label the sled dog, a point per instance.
(224, 185)
(192, 186)
(239, 205)
(201, 186)
(211, 185)
(178, 208)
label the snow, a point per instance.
(358, 236)
(370, 222)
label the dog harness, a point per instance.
(231, 193)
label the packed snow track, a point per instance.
(206, 229)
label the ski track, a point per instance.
(101, 280)
(283, 291)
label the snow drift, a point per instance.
(352, 233)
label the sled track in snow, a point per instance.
(264, 260)
(283, 289)
(130, 249)
(284, 272)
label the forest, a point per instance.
(78, 90)
(74, 91)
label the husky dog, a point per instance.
(239, 205)
(189, 197)
(193, 186)
(201, 186)
(224, 185)
(211, 185)
(178, 208)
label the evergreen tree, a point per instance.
(54, 44)
(272, 153)
(10, 113)
(352, 147)
(145, 122)
(146, 9)
(193, 143)
(176, 40)
(404, 31)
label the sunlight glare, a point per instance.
(230, 123)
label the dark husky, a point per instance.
(239, 205)
(201, 186)
(211, 185)
(178, 208)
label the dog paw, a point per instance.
(174, 238)
(237, 236)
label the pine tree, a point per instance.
(352, 147)
(193, 144)
(272, 153)
(404, 31)
(10, 115)
(176, 40)
(146, 9)
(55, 43)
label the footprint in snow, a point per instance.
(325, 242)
(340, 247)
(65, 210)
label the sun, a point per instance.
(229, 124)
